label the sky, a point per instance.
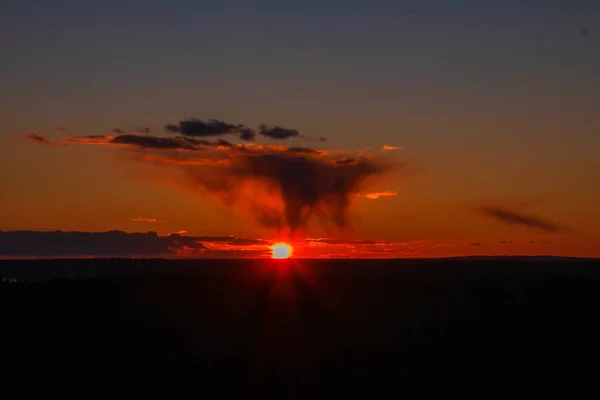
(487, 109)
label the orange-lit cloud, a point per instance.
(144, 219)
(376, 195)
(387, 147)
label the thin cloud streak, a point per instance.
(509, 217)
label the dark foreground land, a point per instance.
(298, 328)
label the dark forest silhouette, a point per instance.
(285, 327)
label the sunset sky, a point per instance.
(475, 125)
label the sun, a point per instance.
(281, 250)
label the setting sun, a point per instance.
(281, 250)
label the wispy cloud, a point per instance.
(376, 195)
(34, 137)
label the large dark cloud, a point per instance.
(100, 244)
(283, 187)
(513, 218)
(306, 186)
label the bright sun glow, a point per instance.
(281, 250)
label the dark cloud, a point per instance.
(513, 218)
(145, 130)
(247, 135)
(197, 127)
(506, 241)
(34, 137)
(118, 131)
(100, 244)
(475, 244)
(154, 142)
(212, 127)
(277, 132)
(60, 128)
(305, 186)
